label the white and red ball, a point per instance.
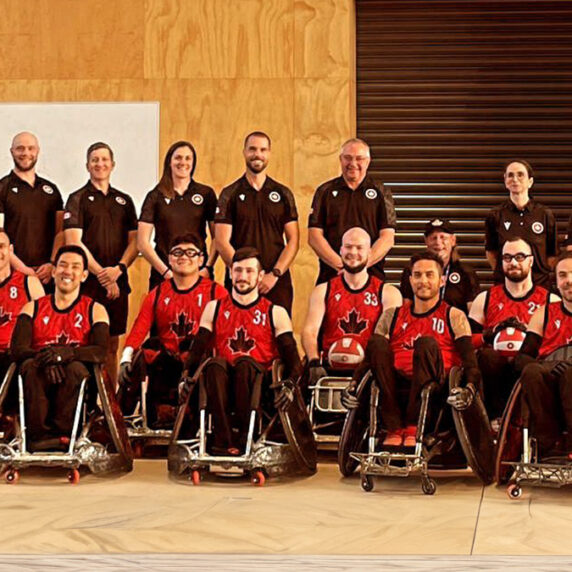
(345, 353)
(508, 341)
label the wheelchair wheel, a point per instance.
(12, 477)
(367, 483)
(73, 477)
(514, 491)
(196, 477)
(258, 478)
(428, 486)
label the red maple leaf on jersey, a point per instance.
(241, 343)
(352, 324)
(62, 340)
(182, 328)
(5, 317)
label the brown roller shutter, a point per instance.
(447, 91)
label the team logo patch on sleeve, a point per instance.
(537, 227)
(121, 200)
(371, 193)
(454, 278)
(197, 199)
(14, 190)
(274, 197)
(48, 189)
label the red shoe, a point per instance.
(393, 438)
(409, 436)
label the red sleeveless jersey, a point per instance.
(500, 305)
(407, 327)
(175, 313)
(245, 331)
(557, 328)
(350, 313)
(14, 295)
(69, 327)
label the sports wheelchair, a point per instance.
(277, 443)
(440, 443)
(98, 438)
(518, 459)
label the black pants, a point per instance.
(231, 389)
(50, 408)
(400, 399)
(164, 373)
(499, 378)
(549, 402)
(282, 294)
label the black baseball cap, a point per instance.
(440, 225)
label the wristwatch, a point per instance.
(276, 272)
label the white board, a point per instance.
(66, 130)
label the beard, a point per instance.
(256, 168)
(25, 167)
(354, 269)
(517, 278)
(248, 290)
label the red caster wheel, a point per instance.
(196, 477)
(258, 478)
(514, 491)
(12, 477)
(73, 477)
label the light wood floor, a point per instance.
(145, 512)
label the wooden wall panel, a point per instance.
(219, 68)
(219, 38)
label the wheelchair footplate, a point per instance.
(552, 472)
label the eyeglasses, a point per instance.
(519, 257)
(189, 253)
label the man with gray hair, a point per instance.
(352, 199)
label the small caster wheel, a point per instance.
(258, 478)
(138, 450)
(367, 483)
(73, 477)
(514, 491)
(196, 477)
(428, 486)
(12, 477)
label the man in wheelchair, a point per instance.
(544, 362)
(172, 311)
(498, 319)
(247, 333)
(56, 337)
(412, 346)
(347, 306)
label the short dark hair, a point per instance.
(526, 164)
(72, 248)
(564, 255)
(258, 134)
(188, 238)
(426, 255)
(246, 252)
(99, 145)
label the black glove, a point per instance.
(124, 377)
(54, 355)
(489, 336)
(285, 395)
(461, 397)
(55, 374)
(560, 368)
(315, 372)
(186, 385)
(349, 397)
(511, 322)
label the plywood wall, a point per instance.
(219, 68)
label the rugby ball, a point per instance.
(345, 353)
(508, 341)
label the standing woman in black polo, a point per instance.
(176, 206)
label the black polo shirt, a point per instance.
(257, 217)
(105, 219)
(534, 223)
(461, 285)
(337, 208)
(189, 212)
(30, 217)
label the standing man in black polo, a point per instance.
(353, 199)
(32, 211)
(460, 285)
(521, 217)
(260, 212)
(102, 220)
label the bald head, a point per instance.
(24, 150)
(356, 246)
(357, 234)
(517, 245)
(517, 260)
